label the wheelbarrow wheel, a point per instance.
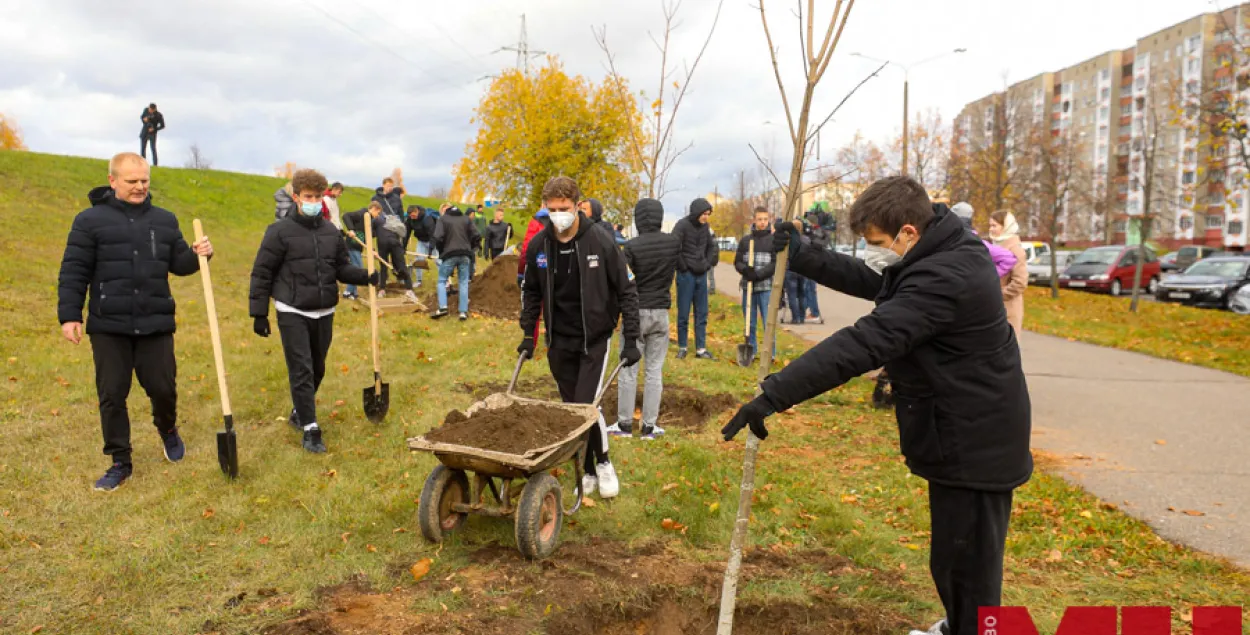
(539, 516)
(443, 487)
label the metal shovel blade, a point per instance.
(746, 354)
(376, 402)
(228, 451)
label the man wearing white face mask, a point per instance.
(962, 403)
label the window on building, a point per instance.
(1121, 149)
(1105, 94)
(1236, 227)
(1140, 83)
(1192, 66)
(1224, 83)
(1215, 221)
(1120, 226)
(1190, 156)
(1195, 43)
(1126, 110)
(1104, 74)
(1167, 55)
(1178, 50)
(1103, 113)
(1191, 87)
(1187, 177)
(1186, 223)
(1141, 103)
(1067, 105)
(1216, 176)
(1215, 198)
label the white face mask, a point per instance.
(562, 220)
(878, 258)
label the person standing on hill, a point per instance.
(331, 200)
(391, 198)
(497, 234)
(652, 258)
(301, 260)
(153, 122)
(577, 281)
(454, 237)
(421, 225)
(696, 255)
(121, 251)
(758, 272)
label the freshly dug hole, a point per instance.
(514, 429)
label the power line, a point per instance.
(443, 32)
(522, 49)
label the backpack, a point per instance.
(394, 224)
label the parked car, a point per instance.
(1167, 262)
(1240, 302)
(1189, 254)
(1110, 269)
(1033, 251)
(1039, 269)
(1210, 282)
(727, 244)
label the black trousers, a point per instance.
(969, 536)
(305, 343)
(495, 252)
(151, 359)
(577, 376)
(392, 251)
(144, 141)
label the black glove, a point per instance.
(261, 326)
(630, 355)
(526, 348)
(785, 236)
(375, 278)
(751, 414)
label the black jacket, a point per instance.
(124, 254)
(422, 226)
(697, 250)
(607, 290)
(354, 222)
(153, 122)
(652, 257)
(497, 235)
(300, 262)
(941, 332)
(392, 203)
(760, 272)
(455, 235)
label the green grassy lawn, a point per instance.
(181, 550)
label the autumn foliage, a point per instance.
(10, 135)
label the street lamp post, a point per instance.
(906, 77)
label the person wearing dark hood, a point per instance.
(758, 272)
(454, 237)
(652, 258)
(153, 122)
(121, 250)
(301, 260)
(421, 225)
(696, 255)
(962, 403)
(576, 280)
(497, 235)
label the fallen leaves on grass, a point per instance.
(669, 524)
(208, 513)
(420, 569)
(263, 540)
(588, 502)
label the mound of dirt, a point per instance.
(681, 407)
(493, 291)
(514, 429)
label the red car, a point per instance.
(1111, 269)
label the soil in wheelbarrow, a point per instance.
(514, 429)
(493, 291)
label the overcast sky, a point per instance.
(357, 87)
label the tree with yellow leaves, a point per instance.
(532, 127)
(10, 135)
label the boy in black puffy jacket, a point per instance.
(301, 260)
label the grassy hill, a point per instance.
(840, 528)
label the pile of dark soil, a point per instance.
(493, 291)
(514, 429)
(681, 407)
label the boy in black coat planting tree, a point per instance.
(301, 260)
(941, 332)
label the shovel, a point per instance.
(377, 397)
(746, 352)
(227, 444)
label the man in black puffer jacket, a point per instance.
(696, 255)
(652, 259)
(299, 264)
(962, 403)
(123, 249)
(454, 237)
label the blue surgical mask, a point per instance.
(311, 209)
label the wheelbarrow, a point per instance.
(520, 486)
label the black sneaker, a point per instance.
(294, 420)
(464, 316)
(681, 353)
(651, 432)
(174, 447)
(312, 441)
(703, 354)
(114, 477)
(441, 313)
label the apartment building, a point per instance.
(1133, 113)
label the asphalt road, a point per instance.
(1148, 435)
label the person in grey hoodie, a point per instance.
(696, 255)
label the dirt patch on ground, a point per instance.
(514, 429)
(493, 291)
(595, 588)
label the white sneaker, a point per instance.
(936, 629)
(590, 483)
(609, 487)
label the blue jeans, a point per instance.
(357, 259)
(795, 297)
(459, 264)
(809, 297)
(691, 289)
(759, 306)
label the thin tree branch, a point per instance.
(854, 90)
(767, 167)
(781, 86)
(827, 49)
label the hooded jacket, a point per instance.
(392, 203)
(284, 202)
(652, 256)
(497, 235)
(696, 249)
(607, 290)
(940, 330)
(153, 122)
(300, 262)
(423, 225)
(760, 272)
(540, 221)
(123, 253)
(455, 235)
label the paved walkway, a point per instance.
(1143, 433)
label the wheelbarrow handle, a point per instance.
(604, 389)
(516, 373)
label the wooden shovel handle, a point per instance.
(379, 258)
(213, 329)
(373, 307)
(746, 306)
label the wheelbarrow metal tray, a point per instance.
(511, 465)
